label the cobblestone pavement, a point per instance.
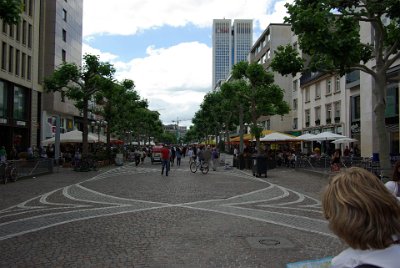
(132, 216)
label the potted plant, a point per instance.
(337, 119)
(307, 124)
(328, 120)
(317, 122)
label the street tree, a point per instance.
(236, 110)
(81, 84)
(10, 10)
(263, 96)
(329, 32)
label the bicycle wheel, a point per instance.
(204, 168)
(13, 174)
(193, 167)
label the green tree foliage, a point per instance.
(10, 10)
(262, 95)
(81, 84)
(329, 33)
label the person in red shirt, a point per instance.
(165, 157)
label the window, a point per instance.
(64, 35)
(295, 122)
(30, 35)
(17, 61)
(307, 92)
(307, 117)
(328, 113)
(10, 59)
(18, 31)
(317, 91)
(269, 54)
(64, 15)
(23, 65)
(337, 110)
(355, 108)
(11, 31)
(3, 100)
(20, 111)
(294, 85)
(30, 8)
(268, 124)
(337, 84)
(63, 55)
(29, 68)
(4, 56)
(328, 87)
(318, 113)
(4, 27)
(294, 104)
(24, 32)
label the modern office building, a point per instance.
(231, 43)
(63, 43)
(48, 33)
(20, 79)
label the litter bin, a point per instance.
(259, 165)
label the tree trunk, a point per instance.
(380, 94)
(85, 131)
(241, 115)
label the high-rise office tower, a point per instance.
(231, 44)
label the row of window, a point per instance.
(263, 43)
(329, 89)
(328, 113)
(22, 32)
(15, 61)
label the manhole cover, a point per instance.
(269, 242)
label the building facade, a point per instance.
(20, 79)
(263, 52)
(231, 44)
(48, 33)
(63, 43)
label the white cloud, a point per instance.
(127, 17)
(173, 79)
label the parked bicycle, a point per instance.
(86, 164)
(8, 172)
(203, 166)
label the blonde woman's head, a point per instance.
(360, 210)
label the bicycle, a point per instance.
(86, 164)
(203, 166)
(8, 172)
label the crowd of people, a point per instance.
(202, 153)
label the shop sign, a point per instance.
(20, 123)
(3, 121)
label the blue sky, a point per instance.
(164, 46)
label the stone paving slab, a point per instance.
(133, 217)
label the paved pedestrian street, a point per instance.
(132, 216)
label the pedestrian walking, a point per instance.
(178, 154)
(394, 185)
(365, 215)
(165, 159)
(190, 154)
(214, 158)
(3, 154)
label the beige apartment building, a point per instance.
(48, 33)
(263, 52)
(324, 102)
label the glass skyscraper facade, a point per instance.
(231, 44)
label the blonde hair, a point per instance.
(360, 210)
